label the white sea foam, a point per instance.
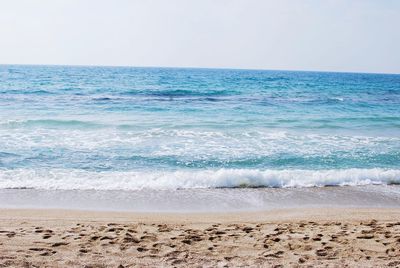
(136, 180)
(160, 142)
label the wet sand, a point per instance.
(333, 237)
(204, 200)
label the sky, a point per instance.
(322, 35)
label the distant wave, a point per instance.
(331, 123)
(52, 123)
(27, 92)
(182, 93)
(222, 178)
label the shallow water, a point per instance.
(118, 128)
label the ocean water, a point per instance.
(120, 128)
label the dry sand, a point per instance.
(281, 238)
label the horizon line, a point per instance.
(191, 67)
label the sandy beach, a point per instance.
(334, 237)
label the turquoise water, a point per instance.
(134, 128)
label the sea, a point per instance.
(131, 129)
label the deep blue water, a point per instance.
(129, 128)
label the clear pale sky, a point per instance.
(327, 35)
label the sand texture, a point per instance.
(310, 238)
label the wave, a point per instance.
(52, 123)
(67, 179)
(196, 149)
(176, 93)
(27, 92)
(346, 124)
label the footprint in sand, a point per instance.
(321, 252)
(366, 236)
(141, 249)
(10, 234)
(152, 238)
(130, 239)
(83, 250)
(58, 244)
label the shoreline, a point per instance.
(204, 200)
(332, 237)
(267, 216)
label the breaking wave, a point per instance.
(67, 179)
